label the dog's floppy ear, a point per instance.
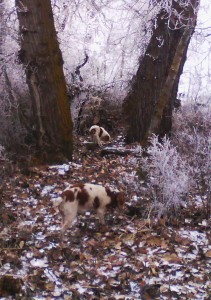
(92, 130)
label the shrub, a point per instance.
(14, 112)
(168, 176)
(192, 135)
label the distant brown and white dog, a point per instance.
(99, 134)
(86, 196)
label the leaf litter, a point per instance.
(130, 258)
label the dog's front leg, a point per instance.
(68, 219)
(98, 141)
(100, 214)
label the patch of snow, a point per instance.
(29, 254)
(62, 268)
(141, 244)
(176, 288)
(77, 166)
(7, 204)
(80, 288)
(26, 223)
(135, 287)
(53, 228)
(6, 267)
(134, 198)
(177, 275)
(47, 189)
(123, 253)
(204, 223)
(152, 251)
(37, 185)
(57, 167)
(125, 297)
(131, 229)
(57, 292)
(151, 280)
(40, 236)
(167, 263)
(198, 200)
(51, 276)
(41, 263)
(198, 237)
(96, 281)
(108, 273)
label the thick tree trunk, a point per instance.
(42, 60)
(166, 91)
(148, 106)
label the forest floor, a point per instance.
(130, 258)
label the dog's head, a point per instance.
(117, 198)
(93, 130)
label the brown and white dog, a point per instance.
(99, 134)
(86, 196)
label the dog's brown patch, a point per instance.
(69, 195)
(105, 138)
(113, 196)
(96, 202)
(93, 131)
(82, 197)
(101, 132)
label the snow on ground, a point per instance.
(130, 258)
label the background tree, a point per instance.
(149, 104)
(51, 123)
(1, 24)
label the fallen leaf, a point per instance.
(154, 272)
(164, 288)
(92, 242)
(50, 286)
(164, 245)
(84, 256)
(208, 254)
(118, 246)
(154, 241)
(21, 244)
(172, 258)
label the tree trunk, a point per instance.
(51, 122)
(148, 106)
(166, 91)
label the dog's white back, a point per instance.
(82, 197)
(99, 134)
